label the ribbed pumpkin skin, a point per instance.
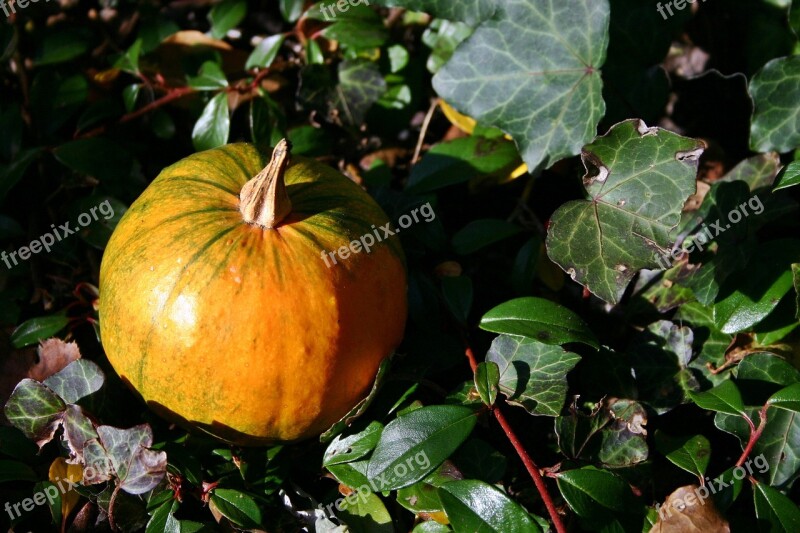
(241, 331)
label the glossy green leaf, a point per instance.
(775, 512)
(539, 319)
(532, 374)
(487, 381)
(415, 443)
(796, 281)
(789, 176)
(239, 507)
(78, 379)
(691, 453)
(347, 449)
(776, 118)
(787, 398)
(637, 180)
(745, 299)
(478, 460)
(364, 512)
(209, 78)
(37, 329)
(354, 26)
(225, 16)
(265, 52)
(592, 493)
(765, 366)
(291, 9)
(212, 128)
(724, 398)
(62, 45)
(473, 505)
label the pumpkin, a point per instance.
(222, 305)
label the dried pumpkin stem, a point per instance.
(263, 200)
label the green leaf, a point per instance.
(724, 398)
(479, 234)
(478, 460)
(442, 37)
(765, 366)
(37, 329)
(787, 398)
(62, 45)
(212, 128)
(622, 441)
(532, 374)
(549, 100)
(796, 278)
(239, 507)
(776, 453)
(347, 449)
(457, 292)
(210, 78)
(361, 84)
(415, 443)
(745, 300)
(789, 176)
(101, 158)
(473, 505)
(487, 381)
(16, 471)
(660, 357)
(364, 512)
(291, 9)
(637, 179)
(11, 174)
(355, 26)
(757, 171)
(592, 493)
(35, 410)
(471, 12)
(691, 453)
(78, 379)
(225, 16)
(776, 118)
(129, 61)
(775, 512)
(539, 319)
(352, 474)
(265, 52)
(461, 160)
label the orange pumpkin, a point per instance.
(226, 314)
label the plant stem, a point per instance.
(530, 465)
(755, 433)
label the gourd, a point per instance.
(221, 306)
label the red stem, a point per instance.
(755, 434)
(533, 470)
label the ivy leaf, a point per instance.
(548, 98)
(638, 179)
(776, 116)
(138, 468)
(789, 176)
(724, 398)
(77, 380)
(775, 509)
(623, 441)
(415, 443)
(533, 375)
(212, 128)
(487, 379)
(691, 453)
(35, 410)
(360, 86)
(473, 505)
(538, 319)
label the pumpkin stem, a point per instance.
(263, 200)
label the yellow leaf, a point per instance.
(60, 472)
(462, 122)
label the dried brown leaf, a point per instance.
(685, 512)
